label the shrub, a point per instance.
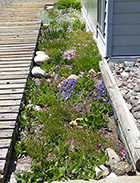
(65, 4)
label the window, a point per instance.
(101, 15)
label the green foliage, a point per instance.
(64, 4)
(60, 151)
(20, 148)
(96, 118)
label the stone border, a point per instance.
(126, 121)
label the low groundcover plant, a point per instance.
(61, 151)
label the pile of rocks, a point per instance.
(127, 76)
(5, 2)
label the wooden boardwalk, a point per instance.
(19, 29)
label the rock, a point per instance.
(129, 106)
(124, 92)
(40, 52)
(136, 89)
(136, 109)
(137, 115)
(129, 64)
(91, 71)
(73, 76)
(49, 80)
(112, 156)
(81, 107)
(38, 72)
(118, 166)
(134, 103)
(125, 75)
(105, 171)
(127, 69)
(56, 77)
(37, 82)
(121, 65)
(98, 171)
(130, 86)
(112, 174)
(40, 58)
(75, 123)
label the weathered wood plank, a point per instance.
(2, 166)
(14, 81)
(20, 23)
(15, 66)
(17, 58)
(3, 153)
(6, 134)
(9, 102)
(5, 143)
(13, 76)
(14, 73)
(8, 116)
(12, 91)
(20, 45)
(25, 68)
(8, 63)
(15, 55)
(16, 41)
(7, 123)
(10, 86)
(12, 109)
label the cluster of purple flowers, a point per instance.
(69, 54)
(66, 90)
(99, 92)
(63, 66)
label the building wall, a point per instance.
(126, 28)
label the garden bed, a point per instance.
(66, 123)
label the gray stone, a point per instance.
(135, 109)
(127, 69)
(56, 77)
(134, 103)
(129, 64)
(105, 171)
(118, 166)
(130, 86)
(137, 115)
(38, 72)
(40, 57)
(20, 168)
(37, 82)
(123, 92)
(112, 174)
(129, 106)
(136, 89)
(125, 75)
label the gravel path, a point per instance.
(5, 2)
(127, 76)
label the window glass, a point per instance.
(91, 10)
(101, 15)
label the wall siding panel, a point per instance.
(126, 28)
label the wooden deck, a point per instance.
(19, 28)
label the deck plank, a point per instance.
(19, 29)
